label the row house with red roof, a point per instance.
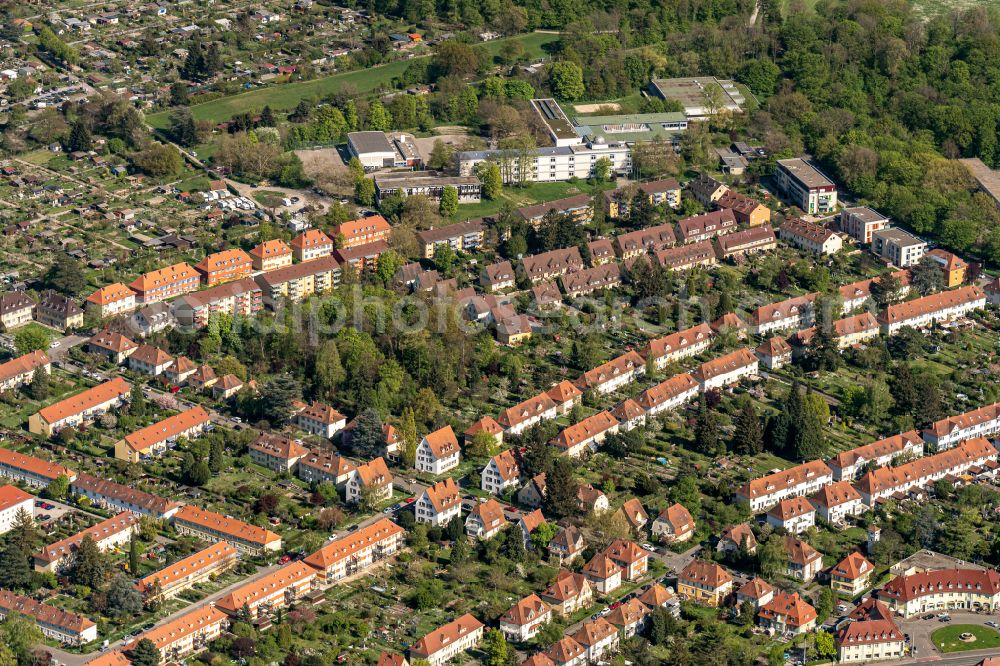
(357, 551)
(899, 482)
(952, 430)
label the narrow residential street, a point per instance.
(62, 657)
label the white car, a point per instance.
(54, 344)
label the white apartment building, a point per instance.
(439, 503)
(860, 222)
(682, 344)
(552, 164)
(805, 186)
(55, 623)
(794, 514)
(669, 394)
(447, 642)
(13, 501)
(357, 551)
(438, 452)
(849, 465)
(501, 472)
(942, 306)
(726, 370)
(793, 313)
(835, 502)
(188, 634)
(899, 247)
(888, 481)
(525, 618)
(952, 430)
(798, 481)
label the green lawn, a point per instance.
(284, 97)
(947, 638)
(525, 196)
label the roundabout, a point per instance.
(962, 637)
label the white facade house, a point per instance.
(726, 370)
(525, 618)
(798, 481)
(837, 501)
(901, 248)
(439, 504)
(438, 452)
(501, 472)
(795, 515)
(922, 312)
(952, 430)
(13, 501)
(888, 481)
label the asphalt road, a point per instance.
(920, 631)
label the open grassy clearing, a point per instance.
(285, 97)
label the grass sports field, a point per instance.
(284, 97)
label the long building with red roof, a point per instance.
(948, 589)
(888, 482)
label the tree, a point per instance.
(824, 352)
(824, 604)
(364, 192)
(808, 439)
(748, 439)
(706, 429)
(408, 435)
(367, 438)
(15, 573)
(602, 169)
(886, 290)
(133, 556)
(449, 201)
(771, 557)
(158, 160)
(66, 275)
(79, 137)
(196, 472)
(183, 128)
(927, 277)
(21, 634)
(329, 371)
(825, 647)
(492, 181)
(30, 339)
(267, 117)
(276, 398)
(442, 156)
(40, 385)
(145, 653)
(566, 80)
(58, 488)
(216, 456)
(495, 647)
(561, 489)
(123, 597)
(89, 565)
(378, 117)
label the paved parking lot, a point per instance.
(44, 514)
